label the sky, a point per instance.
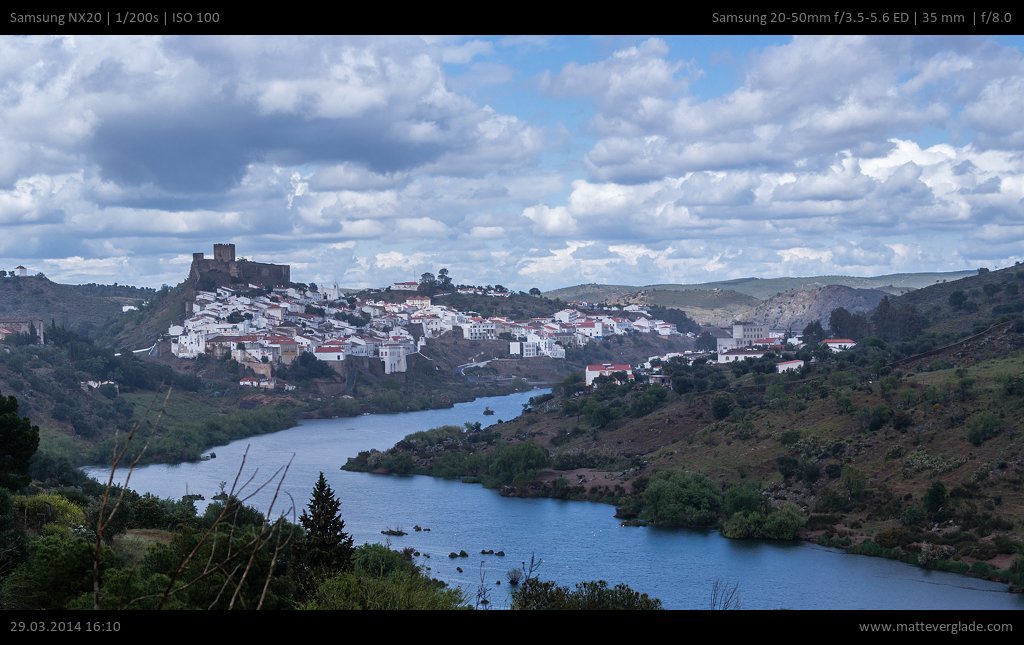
(523, 161)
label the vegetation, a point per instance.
(327, 548)
(19, 440)
(676, 498)
(536, 594)
(908, 431)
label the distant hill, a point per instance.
(719, 303)
(763, 288)
(87, 309)
(797, 309)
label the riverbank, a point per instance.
(183, 426)
(576, 541)
(537, 456)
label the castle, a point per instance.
(232, 270)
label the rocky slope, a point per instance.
(796, 309)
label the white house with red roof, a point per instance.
(331, 353)
(665, 328)
(838, 344)
(589, 328)
(789, 366)
(606, 369)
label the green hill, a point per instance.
(971, 303)
(908, 449)
(85, 308)
(762, 288)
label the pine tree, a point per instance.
(328, 548)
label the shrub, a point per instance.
(744, 497)
(676, 498)
(789, 437)
(48, 508)
(535, 594)
(783, 523)
(983, 427)
(721, 405)
(935, 497)
(787, 466)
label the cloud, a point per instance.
(550, 221)
(811, 96)
(545, 160)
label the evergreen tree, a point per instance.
(813, 333)
(18, 442)
(706, 343)
(328, 548)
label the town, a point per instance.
(252, 313)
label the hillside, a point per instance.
(719, 303)
(85, 308)
(796, 309)
(971, 303)
(894, 283)
(763, 288)
(910, 449)
(142, 328)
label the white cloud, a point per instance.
(370, 159)
(550, 221)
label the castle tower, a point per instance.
(224, 252)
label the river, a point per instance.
(576, 540)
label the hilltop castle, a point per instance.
(232, 270)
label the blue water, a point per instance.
(576, 540)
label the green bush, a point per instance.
(783, 523)
(744, 498)
(982, 427)
(536, 594)
(676, 498)
(789, 437)
(788, 466)
(48, 508)
(721, 405)
(515, 463)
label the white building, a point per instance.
(590, 329)
(739, 354)
(189, 345)
(749, 332)
(332, 353)
(838, 344)
(393, 357)
(405, 286)
(568, 316)
(789, 366)
(479, 329)
(606, 369)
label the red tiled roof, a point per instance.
(614, 367)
